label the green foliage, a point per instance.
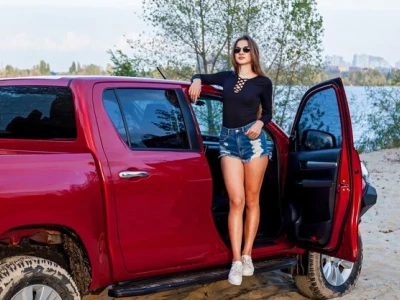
(43, 68)
(72, 68)
(123, 65)
(384, 120)
(93, 70)
(369, 77)
(395, 77)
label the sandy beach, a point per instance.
(380, 227)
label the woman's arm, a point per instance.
(266, 102)
(199, 79)
(216, 78)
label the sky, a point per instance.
(61, 32)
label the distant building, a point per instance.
(336, 62)
(383, 70)
(370, 62)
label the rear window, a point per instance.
(37, 113)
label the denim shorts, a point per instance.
(234, 142)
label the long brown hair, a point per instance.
(255, 61)
(255, 55)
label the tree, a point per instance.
(384, 119)
(44, 68)
(92, 70)
(395, 80)
(9, 70)
(198, 34)
(72, 68)
(123, 65)
(296, 55)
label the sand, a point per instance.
(380, 227)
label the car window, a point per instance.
(111, 106)
(208, 112)
(37, 113)
(152, 117)
(321, 117)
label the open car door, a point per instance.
(323, 187)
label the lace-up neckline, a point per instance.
(240, 83)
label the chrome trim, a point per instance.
(133, 174)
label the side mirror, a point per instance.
(313, 139)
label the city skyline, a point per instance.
(360, 60)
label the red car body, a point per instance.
(144, 227)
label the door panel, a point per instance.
(313, 181)
(322, 173)
(161, 180)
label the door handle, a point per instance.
(132, 174)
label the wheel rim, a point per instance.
(336, 271)
(37, 292)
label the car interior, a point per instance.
(306, 212)
(270, 211)
(208, 110)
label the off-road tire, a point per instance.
(16, 273)
(315, 286)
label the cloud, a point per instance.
(70, 41)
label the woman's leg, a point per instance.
(254, 171)
(233, 172)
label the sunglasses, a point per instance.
(245, 49)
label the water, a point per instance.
(360, 105)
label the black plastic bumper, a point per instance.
(368, 199)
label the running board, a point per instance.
(183, 279)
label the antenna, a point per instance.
(161, 73)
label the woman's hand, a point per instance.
(195, 89)
(255, 130)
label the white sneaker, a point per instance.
(248, 268)
(235, 274)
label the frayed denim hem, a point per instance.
(262, 155)
(246, 160)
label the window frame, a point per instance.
(192, 137)
(298, 136)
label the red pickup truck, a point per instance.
(114, 182)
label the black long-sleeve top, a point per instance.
(241, 108)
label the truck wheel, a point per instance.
(329, 277)
(32, 278)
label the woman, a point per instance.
(243, 145)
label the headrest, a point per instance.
(61, 106)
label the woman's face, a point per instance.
(242, 52)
